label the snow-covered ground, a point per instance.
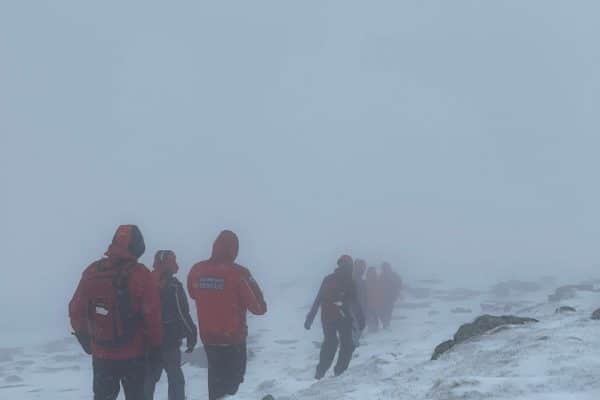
(555, 359)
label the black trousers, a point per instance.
(226, 369)
(109, 375)
(337, 334)
(171, 363)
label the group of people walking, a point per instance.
(350, 301)
(133, 320)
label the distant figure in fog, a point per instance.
(358, 274)
(177, 324)
(374, 299)
(224, 291)
(340, 308)
(390, 286)
(116, 315)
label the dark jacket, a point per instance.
(338, 299)
(176, 319)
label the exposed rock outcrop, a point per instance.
(565, 309)
(567, 292)
(481, 325)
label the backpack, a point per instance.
(113, 322)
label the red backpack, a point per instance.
(113, 321)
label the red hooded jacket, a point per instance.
(126, 248)
(224, 291)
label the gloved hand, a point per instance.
(85, 341)
(191, 342)
(307, 324)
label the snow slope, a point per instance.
(555, 359)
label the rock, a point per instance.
(442, 348)
(286, 342)
(267, 385)
(486, 323)
(567, 292)
(9, 353)
(596, 314)
(413, 306)
(418, 293)
(461, 310)
(459, 294)
(481, 325)
(13, 379)
(565, 309)
(505, 289)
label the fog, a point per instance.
(454, 139)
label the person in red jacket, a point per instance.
(224, 291)
(390, 285)
(374, 299)
(116, 315)
(340, 314)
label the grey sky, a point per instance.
(441, 135)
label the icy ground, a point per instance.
(556, 359)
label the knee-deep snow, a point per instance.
(555, 359)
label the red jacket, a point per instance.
(144, 298)
(224, 292)
(374, 292)
(390, 284)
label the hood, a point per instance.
(360, 266)
(345, 260)
(386, 268)
(165, 262)
(225, 248)
(127, 244)
(345, 266)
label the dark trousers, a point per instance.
(226, 369)
(386, 314)
(109, 375)
(171, 363)
(337, 334)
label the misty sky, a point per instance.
(444, 136)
